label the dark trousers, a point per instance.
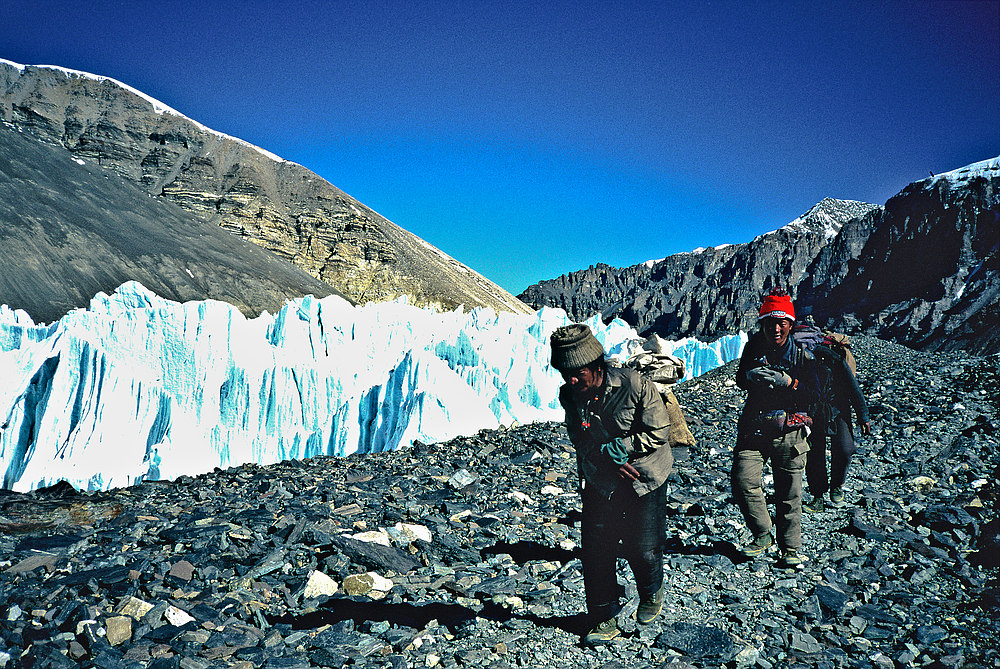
(842, 448)
(787, 456)
(633, 525)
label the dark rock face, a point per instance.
(69, 231)
(923, 271)
(930, 274)
(277, 205)
(478, 565)
(715, 291)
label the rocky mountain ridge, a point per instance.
(710, 291)
(276, 204)
(929, 273)
(922, 270)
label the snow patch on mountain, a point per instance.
(158, 107)
(138, 387)
(961, 176)
(825, 218)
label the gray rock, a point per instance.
(698, 641)
(833, 600)
(803, 643)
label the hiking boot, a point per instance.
(791, 558)
(759, 545)
(650, 608)
(815, 505)
(836, 497)
(603, 633)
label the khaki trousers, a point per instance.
(787, 455)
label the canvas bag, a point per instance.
(664, 370)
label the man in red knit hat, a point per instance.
(780, 380)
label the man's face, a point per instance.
(777, 330)
(583, 381)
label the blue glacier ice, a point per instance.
(138, 387)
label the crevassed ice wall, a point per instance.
(137, 387)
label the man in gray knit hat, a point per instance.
(620, 429)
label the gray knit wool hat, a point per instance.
(574, 346)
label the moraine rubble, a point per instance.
(462, 554)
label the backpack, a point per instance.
(664, 370)
(808, 337)
(841, 343)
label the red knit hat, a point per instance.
(777, 306)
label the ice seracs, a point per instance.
(138, 387)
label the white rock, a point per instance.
(405, 533)
(319, 584)
(520, 497)
(373, 537)
(177, 617)
(380, 583)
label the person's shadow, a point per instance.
(723, 548)
(417, 616)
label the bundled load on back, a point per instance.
(664, 370)
(660, 367)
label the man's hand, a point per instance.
(628, 472)
(866, 428)
(769, 378)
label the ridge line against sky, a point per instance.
(528, 140)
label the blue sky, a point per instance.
(530, 139)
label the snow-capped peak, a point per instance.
(828, 216)
(158, 107)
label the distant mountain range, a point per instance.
(922, 271)
(100, 183)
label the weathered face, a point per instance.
(777, 330)
(583, 381)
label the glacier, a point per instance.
(137, 387)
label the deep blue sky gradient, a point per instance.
(529, 139)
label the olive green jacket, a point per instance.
(627, 406)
